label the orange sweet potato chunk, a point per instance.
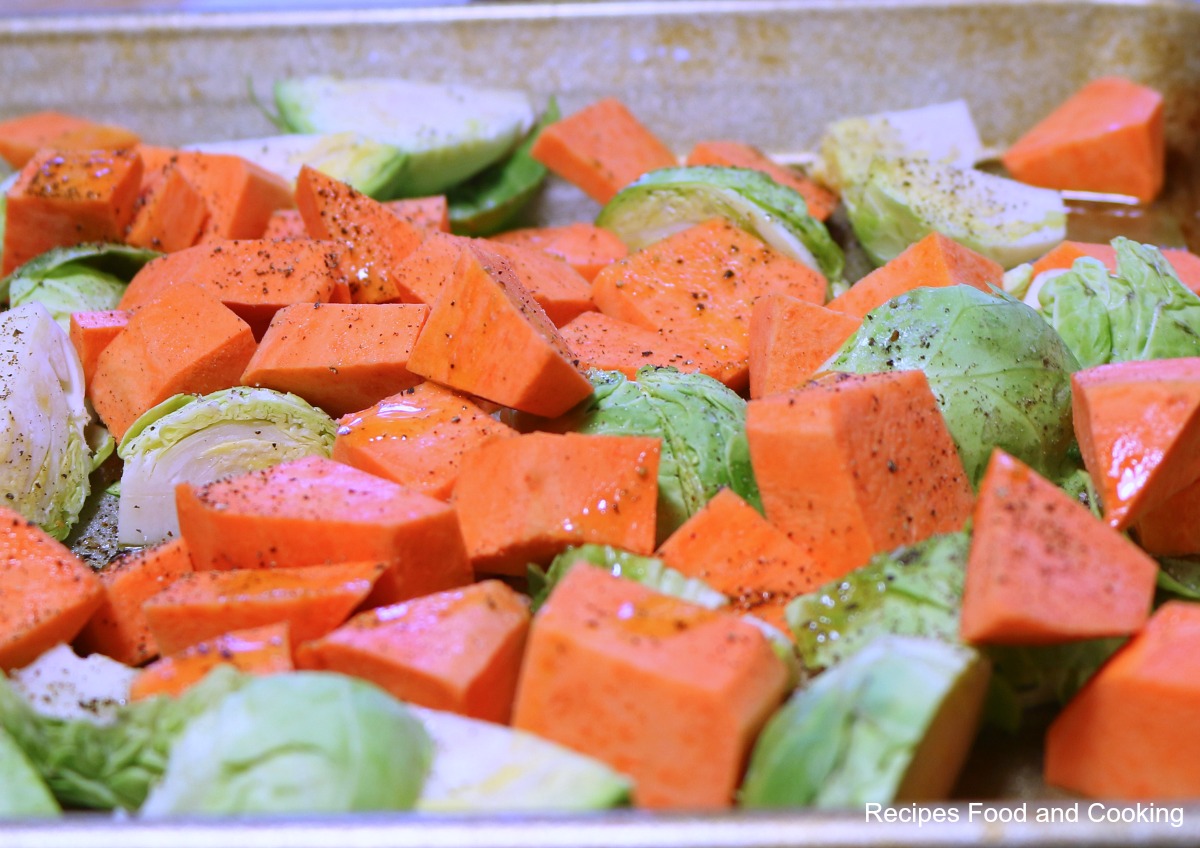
(854, 465)
(315, 511)
(732, 548)
(527, 498)
(556, 286)
(1173, 527)
(25, 135)
(934, 261)
(1043, 570)
(253, 277)
(171, 212)
(610, 344)
(416, 437)
(487, 336)
(239, 195)
(67, 197)
(664, 691)
(458, 651)
(601, 149)
(184, 342)
(427, 270)
(48, 593)
(1106, 137)
(1138, 426)
(703, 281)
(429, 212)
(585, 247)
(338, 356)
(313, 600)
(790, 339)
(118, 628)
(1130, 732)
(257, 650)
(375, 240)
(91, 333)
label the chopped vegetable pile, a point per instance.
(422, 508)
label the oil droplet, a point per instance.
(1132, 465)
(398, 409)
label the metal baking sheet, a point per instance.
(772, 72)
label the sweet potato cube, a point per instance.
(25, 135)
(458, 651)
(556, 286)
(732, 548)
(431, 212)
(1173, 527)
(239, 195)
(48, 593)
(427, 270)
(1106, 137)
(789, 341)
(601, 149)
(67, 197)
(667, 692)
(171, 212)
(610, 344)
(487, 336)
(703, 281)
(585, 247)
(285, 224)
(340, 357)
(92, 136)
(1131, 732)
(857, 464)
(186, 342)
(376, 240)
(313, 600)
(257, 650)
(253, 277)
(934, 261)
(91, 333)
(416, 438)
(315, 511)
(118, 628)
(1042, 569)
(525, 499)
(1139, 432)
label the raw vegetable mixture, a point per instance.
(423, 508)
